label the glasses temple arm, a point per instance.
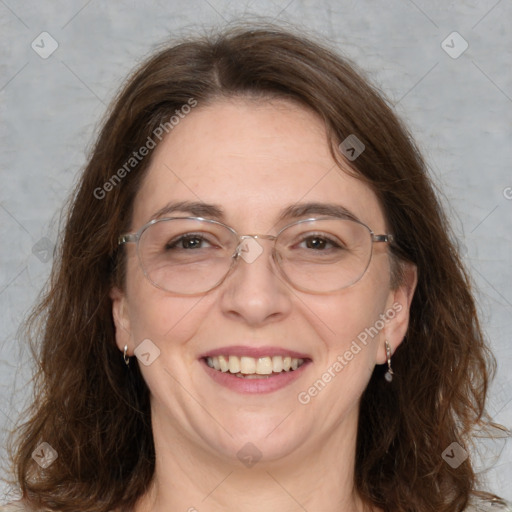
(127, 238)
(382, 238)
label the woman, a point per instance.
(258, 305)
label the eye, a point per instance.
(187, 241)
(320, 243)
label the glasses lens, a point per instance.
(186, 256)
(324, 255)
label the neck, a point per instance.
(188, 478)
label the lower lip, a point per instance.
(263, 385)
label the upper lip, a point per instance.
(256, 352)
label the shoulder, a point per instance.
(490, 505)
(15, 506)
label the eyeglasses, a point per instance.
(193, 255)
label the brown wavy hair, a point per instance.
(96, 414)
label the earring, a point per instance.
(389, 374)
(125, 356)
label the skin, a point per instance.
(254, 159)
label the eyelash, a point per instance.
(174, 244)
(187, 236)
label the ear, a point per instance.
(399, 302)
(121, 319)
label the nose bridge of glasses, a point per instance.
(258, 236)
(249, 248)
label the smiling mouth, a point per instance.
(254, 367)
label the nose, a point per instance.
(255, 292)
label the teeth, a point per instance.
(254, 366)
(247, 365)
(213, 364)
(277, 363)
(224, 364)
(264, 366)
(234, 364)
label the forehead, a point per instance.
(253, 159)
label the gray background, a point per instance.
(459, 110)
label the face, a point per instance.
(252, 160)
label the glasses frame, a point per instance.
(134, 237)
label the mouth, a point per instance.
(250, 369)
(246, 367)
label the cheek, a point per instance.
(159, 316)
(350, 314)
(350, 325)
(351, 330)
(164, 318)
(347, 330)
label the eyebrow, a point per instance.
(194, 208)
(295, 211)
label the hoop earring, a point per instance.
(125, 356)
(389, 374)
